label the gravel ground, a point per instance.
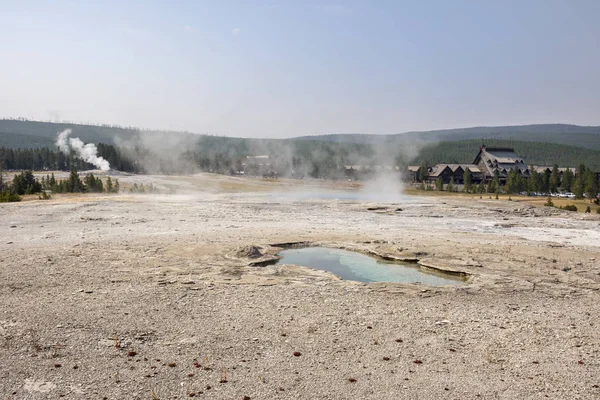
(153, 297)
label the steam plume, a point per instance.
(87, 152)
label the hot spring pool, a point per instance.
(353, 266)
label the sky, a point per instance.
(305, 67)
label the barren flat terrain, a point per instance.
(171, 296)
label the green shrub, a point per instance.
(44, 196)
(598, 210)
(588, 210)
(549, 202)
(570, 207)
(9, 196)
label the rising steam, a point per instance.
(87, 152)
(385, 187)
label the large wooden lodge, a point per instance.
(488, 161)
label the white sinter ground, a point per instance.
(135, 296)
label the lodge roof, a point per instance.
(439, 169)
(501, 159)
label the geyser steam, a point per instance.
(87, 152)
(386, 187)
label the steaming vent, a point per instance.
(86, 152)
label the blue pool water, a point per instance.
(353, 266)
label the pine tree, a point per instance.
(109, 185)
(554, 179)
(494, 185)
(534, 182)
(511, 181)
(491, 187)
(578, 187)
(99, 185)
(424, 171)
(545, 184)
(579, 183)
(468, 180)
(590, 184)
(74, 184)
(567, 180)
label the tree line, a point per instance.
(46, 159)
(27, 183)
(289, 158)
(582, 182)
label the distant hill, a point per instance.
(572, 135)
(19, 140)
(567, 145)
(534, 153)
(32, 132)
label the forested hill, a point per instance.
(29, 134)
(572, 135)
(565, 145)
(534, 153)
(35, 134)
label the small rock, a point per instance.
(249, 252)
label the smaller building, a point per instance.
(454, 172)
(548, 169)
(413, 173)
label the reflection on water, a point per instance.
(354, 266)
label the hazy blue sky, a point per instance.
(287, 68)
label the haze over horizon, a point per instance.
(284, 69)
